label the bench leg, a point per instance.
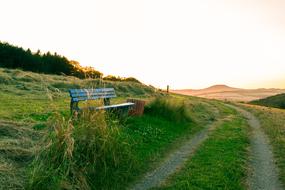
(74, 108)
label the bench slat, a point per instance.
(91, 89)
(116, 106)
(76, 99)
(91, 94)
(126, 105)
(75, 91)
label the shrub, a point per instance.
(172, 110)
(122, 79)
(132, 79)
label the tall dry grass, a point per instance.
(88, 153)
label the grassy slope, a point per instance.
(220, 163)
(277, 101)
(27, 100)
(273, 123)
(26, 93)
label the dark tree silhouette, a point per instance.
(16, 57)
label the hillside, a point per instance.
(211, 89)
(20, 88)
(277, 101)
(33, 105)
(223, 92)
(220, 88)
(28, 101)
(42, 147)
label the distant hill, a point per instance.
(211, 89)
(277, 101)
(220, 88)
(224, 92)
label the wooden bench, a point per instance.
(106, 94)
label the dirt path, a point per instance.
(173, 162)
(264, 174)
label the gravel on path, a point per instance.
(173, 162)
(264, 173)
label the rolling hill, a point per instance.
(224, 92)
(277, 101)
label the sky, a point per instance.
(181, 43)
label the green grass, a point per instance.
(28, 101)
(146, 139)
(277, 101)
(31, 101)
(220, 163)
(174, 110)
(273, 124)
(152, 138)
(24, 93)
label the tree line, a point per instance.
(14, 57)
(17, 58)
(127, 79)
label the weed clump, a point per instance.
(172, 110)
(89, 153)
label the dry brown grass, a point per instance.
(16, 152)
(232, 94)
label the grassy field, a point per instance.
(42, 148)
(27, 102)
(273, 123)
(221, 162)
(34, 112)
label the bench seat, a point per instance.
(123, 105)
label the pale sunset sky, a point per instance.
(183, 43)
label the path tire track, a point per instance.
(264, 174)
(174, 161)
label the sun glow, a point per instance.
(186, 44)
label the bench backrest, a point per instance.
(91, 94)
